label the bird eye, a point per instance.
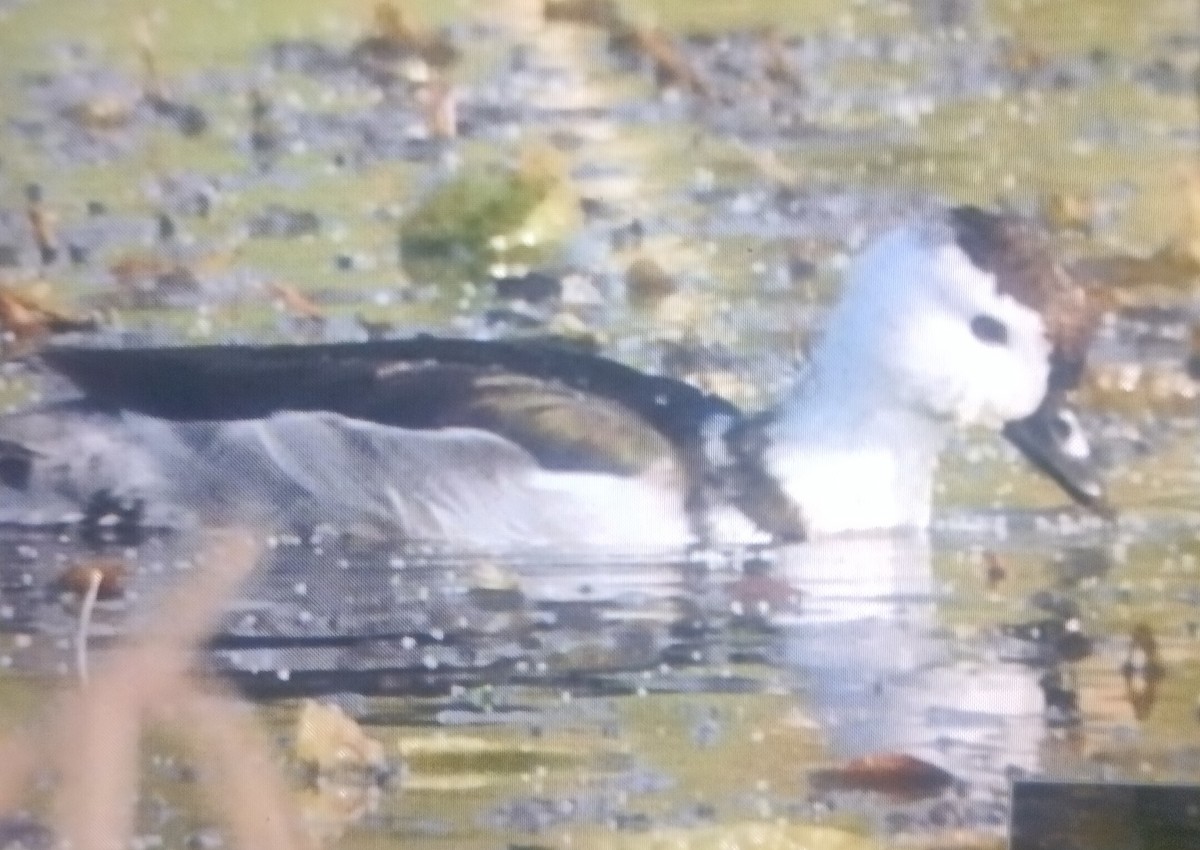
(989, 329)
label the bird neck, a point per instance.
(851, 454)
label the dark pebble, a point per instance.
(279, 222)
(1055, 603)
(1061, 701)
(534, 287)
(179, 281)
(191, 120)
(630, 236)
(513, 318)
(304, 56)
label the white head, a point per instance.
(922, 326)
(960, 319)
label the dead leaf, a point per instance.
(897, 775)
(671, 67)
(113, 574)
(296, 302)
(28, 315)
(393, 35)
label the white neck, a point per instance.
(851, 453)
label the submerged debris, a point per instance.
(330, 742)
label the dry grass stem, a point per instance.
(85, 625)
(92, 737)
(245, 787)
(19, 758)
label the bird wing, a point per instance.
(569, 409)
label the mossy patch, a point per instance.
(484, 214)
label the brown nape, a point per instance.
(1025, 268)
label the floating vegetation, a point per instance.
(518, 215)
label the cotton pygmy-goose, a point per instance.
(958, 319)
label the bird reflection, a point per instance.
(883, 676)
(853, 629)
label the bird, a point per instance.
(958, 317)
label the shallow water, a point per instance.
(558, 701)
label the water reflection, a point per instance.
(852, 628)
(883, 676)
(897, 671)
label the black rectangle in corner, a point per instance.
(1104, 816)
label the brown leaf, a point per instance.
(296, 302)
(897, 775)
(113, 573)
(671, 67)
(29, 314)
(393, 32)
